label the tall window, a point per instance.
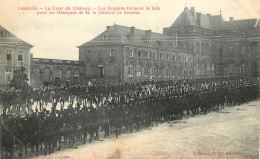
(207, 49)
(160, 71)
(231, 50)
(230, 69)
(167, 72)
(179, 57)
(173, 57)
(172, 72)
(161, 56)
(146, 70)
(112, 52)
(167, 57)
(243, 50)
(130, 70)
(131, 52)
(202, 48)
(153, 71)
(20, 58)
(242, 69)
(9, 55)
(139, 54)
(154, 55)
(139, 71)
(185, 59)
(146, 54)
(199, 47)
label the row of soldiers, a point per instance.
(79, 111)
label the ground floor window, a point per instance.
(146, 71)
(153, 71)
(130, 70)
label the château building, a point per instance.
(128, 53)
(196, 44)
(219, 47)
(46, 70)
(14, 53)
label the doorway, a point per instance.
(100, 71)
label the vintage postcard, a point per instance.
(129, 79)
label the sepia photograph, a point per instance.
(129, 79)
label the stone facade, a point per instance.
(195, 44)
(219, 47)
(46, 70)
(128, 53)
(14, 53)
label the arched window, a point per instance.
(112, 52)
(146, 54)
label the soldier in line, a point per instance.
(115, 106)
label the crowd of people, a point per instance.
(49, 117)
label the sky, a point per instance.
(57, 36)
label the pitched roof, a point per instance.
(118, 34)
(215, 22)
(185, 19)
(238, 24)
(6, 37)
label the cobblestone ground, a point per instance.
(232, 132)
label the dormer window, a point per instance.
(112, 52)
(5, 33)
(105, 37)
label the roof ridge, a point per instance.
(14, 36)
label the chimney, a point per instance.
(132, 31)
(193, 11)
(148, 33)
(199, 18)
(231, 18)
(108, 27)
